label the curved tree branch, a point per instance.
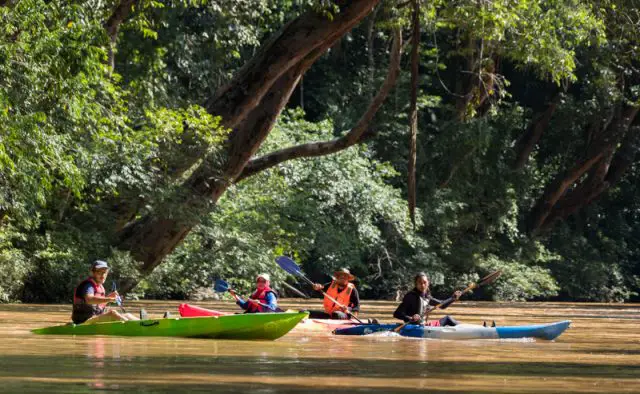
(287, 48)
(528, 141)
(355, 135)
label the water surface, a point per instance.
(599, 354)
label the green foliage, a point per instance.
(85, 149)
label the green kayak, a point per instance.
(244, 326)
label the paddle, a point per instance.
(486, 280)
(221, 286)
(298, 292)
(114, 287)
(291, 267)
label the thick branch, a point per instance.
(112, 26)
(413, 113)
(530, 138)
(355, 135)
(287, 48)
(541, 215)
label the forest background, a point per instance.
(187, 140)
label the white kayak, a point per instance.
(548, 331)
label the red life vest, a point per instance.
(98, 290)
(260, 296)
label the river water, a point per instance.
(600, 353)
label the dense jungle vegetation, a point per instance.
(184, 140)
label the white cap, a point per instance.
(264, 276)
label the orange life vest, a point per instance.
(342, 297)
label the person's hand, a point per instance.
(317, 287)
(254, 301)
(113, 296)
(416, 318)
(457, 294)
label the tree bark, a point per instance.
(287, 48)
(354, 136)
(112, 26)
(542, 216)
(268, 79)
(528, 141)
(413, 113)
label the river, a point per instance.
(599, 354)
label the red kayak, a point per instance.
(187, 310)
(321, 325)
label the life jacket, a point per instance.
(261, 296)
(342, 297)
(83, 311)
(98, 290)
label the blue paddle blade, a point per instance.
(220, 286)
(288, 265)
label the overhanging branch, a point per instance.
(355, 135)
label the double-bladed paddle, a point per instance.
(114, 287)
(221, 286)
(291, 267)
(486, 280)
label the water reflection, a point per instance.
(599, 354)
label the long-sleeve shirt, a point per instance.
(272, 302)
(354, 298)
(416, 303)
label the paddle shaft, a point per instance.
(298, 292)
(114, 287)
(252, 300)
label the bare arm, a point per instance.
(94, 299)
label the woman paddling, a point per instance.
(262, 300)
(415, 304)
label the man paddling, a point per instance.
(415, 304)
(262, 300)
(90, 301)
(341, 290)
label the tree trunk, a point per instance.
(413, 112)
(268, 80)
(120, 13)
(528, 141)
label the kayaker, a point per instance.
(90, 301)
(415, 304)
(342, 291)
(262, 300)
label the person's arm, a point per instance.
(443, 304)
(92, 299)
(401, 310)
(354, 301)
(272, 301)
(319, 287)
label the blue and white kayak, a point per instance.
(464, 331)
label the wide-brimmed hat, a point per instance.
(264, 276)
(344, 271)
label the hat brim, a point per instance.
(351, 276)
